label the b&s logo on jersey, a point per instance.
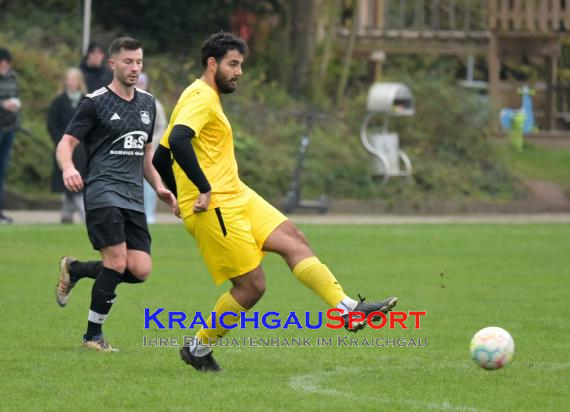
(145, 117)
(133, 142)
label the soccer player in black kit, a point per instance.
(115, 123)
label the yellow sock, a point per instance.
(316, 276)
(226, 303)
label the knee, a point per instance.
(115, 258)
(142, 276)
(117, 263)
(254, 290)
(297, 245)
(141, 272)
(258, 288)
(299, 237)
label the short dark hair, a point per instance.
(5, 55)
(94, 46)
(218, 44)
(125, 42)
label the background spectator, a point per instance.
(9, 108)
(94, 68)
(160, 124)
(59, 115)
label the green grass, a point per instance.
(513, 276)
(543, 163)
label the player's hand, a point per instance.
(202, 203)
(12, 105)
(168, 197)
(72, 179)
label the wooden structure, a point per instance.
(488, 29)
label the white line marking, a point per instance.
(313, 383)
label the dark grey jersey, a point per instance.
(115, 133)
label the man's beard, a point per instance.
(224, 85)
(126, 82)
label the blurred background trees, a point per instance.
(295, 63)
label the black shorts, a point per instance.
(109, 226)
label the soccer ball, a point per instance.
(492, 348)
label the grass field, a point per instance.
(538, 162)
(513, 276)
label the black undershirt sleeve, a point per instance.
(183, 152)
(162, 162)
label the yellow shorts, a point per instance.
(231, 237)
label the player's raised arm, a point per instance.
(64, 155)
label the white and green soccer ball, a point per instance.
(492, 348)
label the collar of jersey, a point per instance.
(126, 101)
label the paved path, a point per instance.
(44, 216)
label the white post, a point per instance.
(86, 25)
(470, 68)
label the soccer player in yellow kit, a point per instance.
(232, 224)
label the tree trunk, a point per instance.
(349, 50)
(302, 43)
(332, 10)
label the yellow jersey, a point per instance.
(199, 108)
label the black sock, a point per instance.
(102, 297)
(128, 277)
(78, 270)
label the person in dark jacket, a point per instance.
(94, 68)
(60, 113)
(9, 108)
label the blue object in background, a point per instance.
(507, 115)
